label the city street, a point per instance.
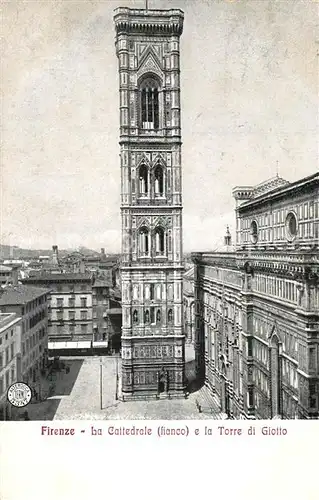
(77, 395)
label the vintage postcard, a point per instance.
(159, 253)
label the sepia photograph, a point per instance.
(159, 226)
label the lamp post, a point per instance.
(101, 385)
(117, 378)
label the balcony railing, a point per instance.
(161, 255)
(160, 201)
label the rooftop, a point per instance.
(189, 274)
(5, 268)
(116, 311)
(6, 319)
(148, 12)
(100, 282)
(272, 190)
(20, 294)
(58, 277)
(266, 186)
(224, 249)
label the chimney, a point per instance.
(102, 253)
(227, 237)
(55, 256)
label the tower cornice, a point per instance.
(149, 141)
(141, 21)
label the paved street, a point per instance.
(76, 395)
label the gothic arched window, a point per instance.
(144, 241)
(147, 316)
(254, 231)
(149, 92)
(135, 317)
(169, 241)
(159, 181)
(143, 180)
(159, 241)
(158, 317)
(170, 316)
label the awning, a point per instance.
(100, 344)
(115, 311)
(69, 345)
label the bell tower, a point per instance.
(153, 342)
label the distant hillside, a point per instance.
(14, 252)
(85, 251)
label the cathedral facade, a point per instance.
(257, 307)
(153, 345)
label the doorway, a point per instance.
(161, 387)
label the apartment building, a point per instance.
(10, 360)
(30, 304)
(70, 309)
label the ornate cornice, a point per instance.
(149, 210)
(159, 140)
(260, 194)
(297, 267)
(153, 22)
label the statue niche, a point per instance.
(162, 380)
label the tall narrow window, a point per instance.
(152, 315)
(83, 314)
(159, 181)
(143, 180)
(158, 317)
(135, 317)
(250, 346)
(170, 316)
(169, 241)
(159, 241)
(254, 231)
(144, 241)
(250, 397)
(275, 376)
(149, 104)
(147, 316)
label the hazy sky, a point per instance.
(249, 98)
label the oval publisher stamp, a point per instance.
(19, 394)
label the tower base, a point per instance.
(150, 396)
(149, 393)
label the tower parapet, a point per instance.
(137, 21)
